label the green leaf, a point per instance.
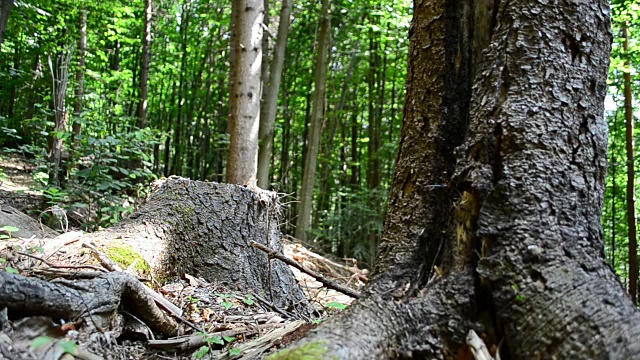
(248, 300)
(336, 305)
(227, 305)
(69, 346)
(11, 270)
(9, 228)
(214, 340)
(235, 352)
(40, 341)
(229, 339)
(2, 237)
(3, 260)
(204, 350)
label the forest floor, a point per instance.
(217, 321)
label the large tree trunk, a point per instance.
(205, 229)
(244, 97)
(5, 10)
(268, 116)
(504, 237)
(315, 134)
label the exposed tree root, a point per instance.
(96, 300)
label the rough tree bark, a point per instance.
(497, 230)
(205, 229)
(244, 97)
(317, 117)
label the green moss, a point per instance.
(185, 210)
(310, 351)
(124, 255)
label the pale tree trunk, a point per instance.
(631, 190)
(244, 99)
(270, 106)
(315, 133)
(144, 67)
(5, 10)
(82, 47)
(494, 212)
(60, 80)
(337, 122)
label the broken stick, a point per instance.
(324, 281)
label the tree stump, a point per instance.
(205, 229)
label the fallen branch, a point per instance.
(60, 266)
(327, 283)
(195, 341)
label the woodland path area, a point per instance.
(89, 295)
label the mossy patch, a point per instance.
(310, 351)
(124, 255)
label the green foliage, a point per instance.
(248, 300)
(614, 216)
(6, 231)
(110, 163)
(11, 270)
(202, 352)
(310, 351)
(336, 305)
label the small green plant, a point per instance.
(249, 300)
(7, 230)
(336, 305)
(229, 339)
(68, 346)
(227, 305)
(235, 352)
(54, 195)
(202, 352)
(212, 340)
(11, 270)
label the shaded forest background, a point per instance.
(48, 76)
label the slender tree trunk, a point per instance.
(631, 191)
(13, 91)
(176, 162)
(5, 10)
(337, 122)
(244, 100)
(60, 78)
(264, 70)
(144, 66)
(270, 106)
(82, 48)
(315, 133)
(355, 150)
(35, 74)
(614, 187)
